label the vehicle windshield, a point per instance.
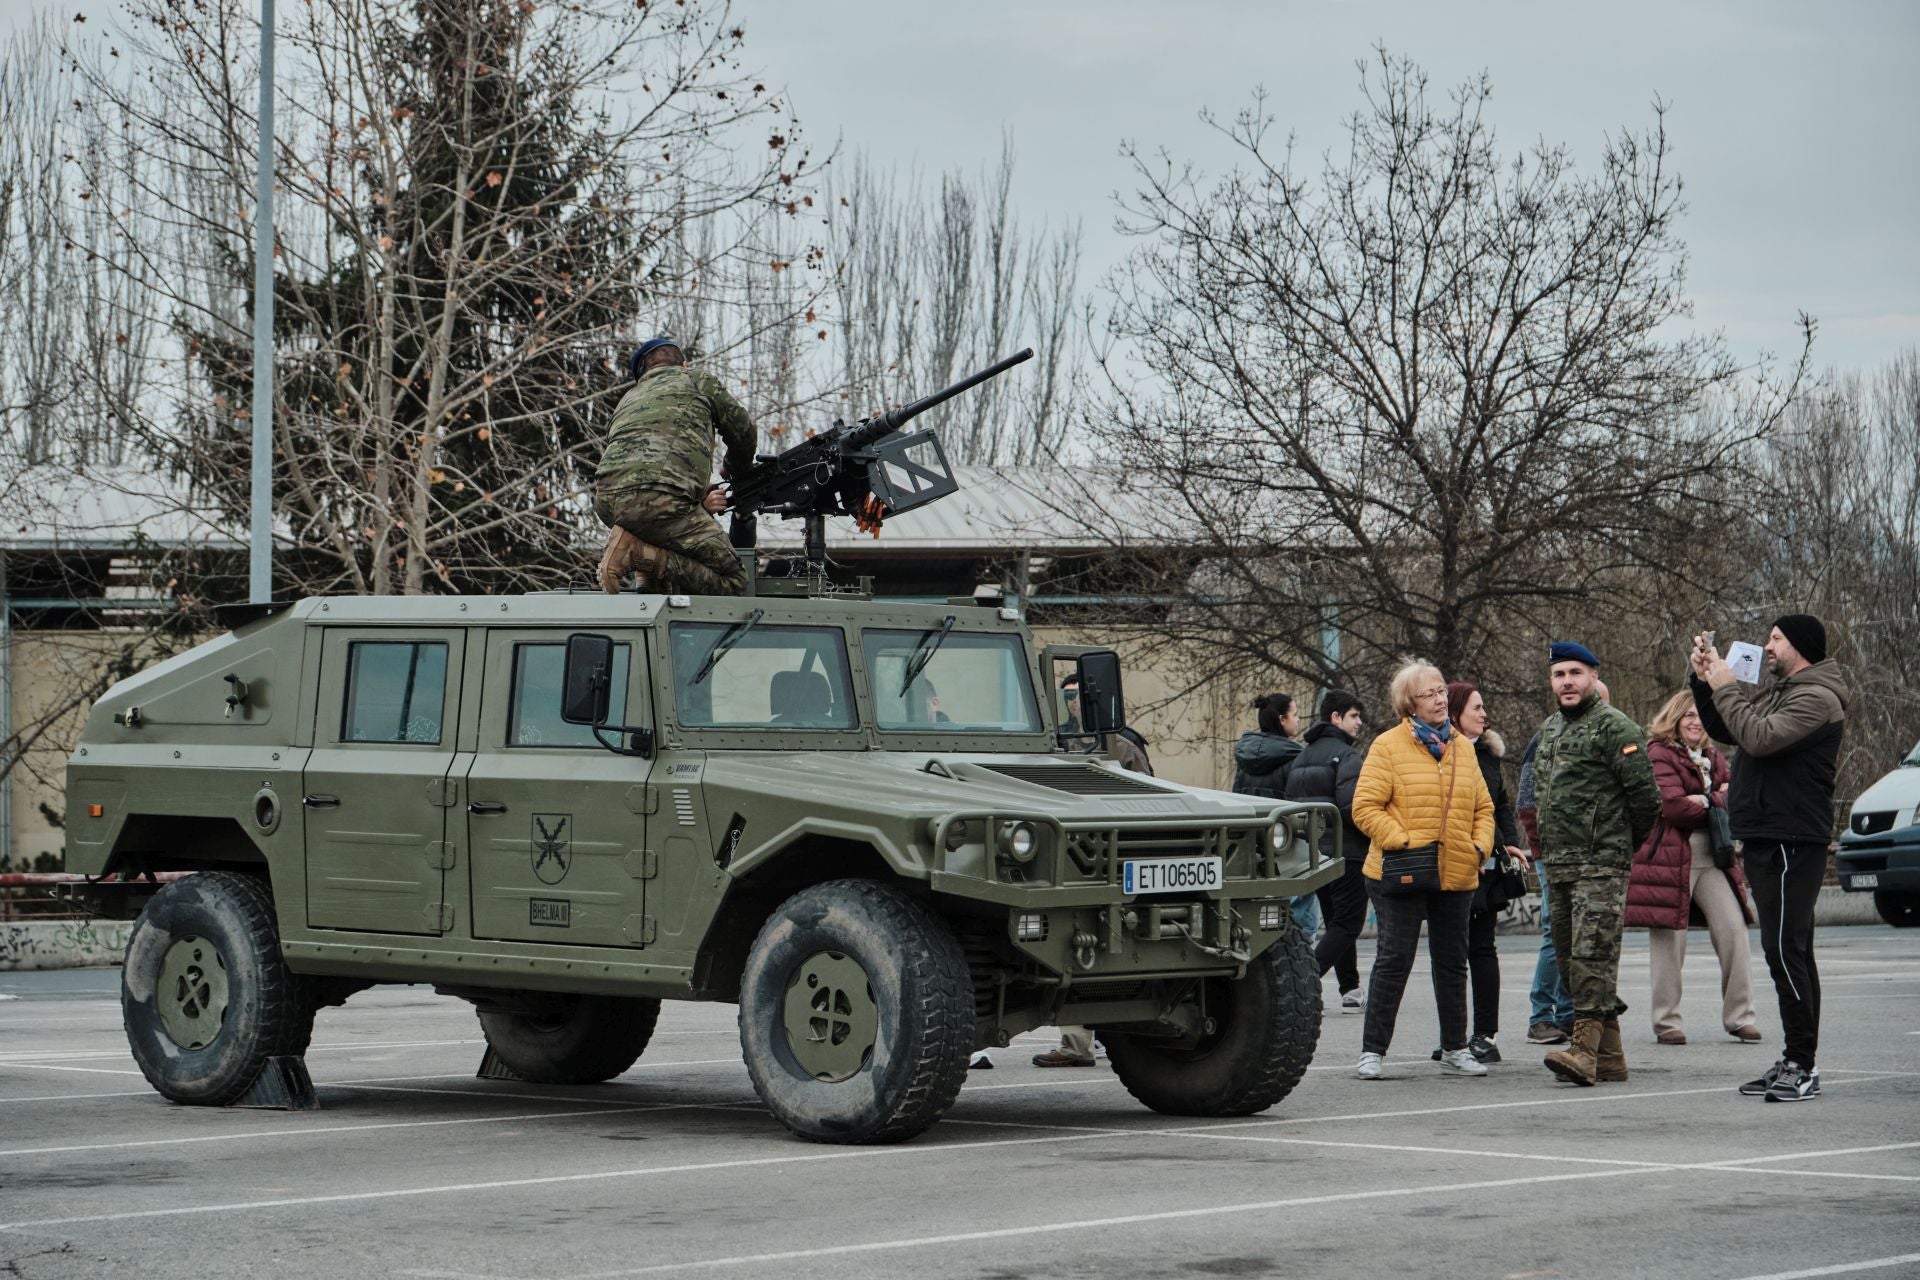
(1913, 758)
(769, 678)
(973, 683)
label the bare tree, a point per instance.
(472, 221)
(1430, 399)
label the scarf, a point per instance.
(1433, 739)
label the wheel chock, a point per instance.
(282, 1085)
(492, 1068)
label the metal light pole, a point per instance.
(260, 561)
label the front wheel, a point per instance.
(1264, 1029)
(856, 1014)
(1901, 910)
(205, 994)
(571, 1039)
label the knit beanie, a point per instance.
(1805, 633)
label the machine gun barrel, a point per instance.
(884, 424)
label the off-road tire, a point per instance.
(575, 1039)
(1267, 1026)
(1897, 908)
(210, 929)
(916, 977)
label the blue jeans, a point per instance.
(1551, 1003)
(1306, 914)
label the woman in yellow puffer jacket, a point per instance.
(1421, 784)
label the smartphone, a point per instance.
(1710, 639)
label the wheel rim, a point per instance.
(192, 992)
(831, 1020)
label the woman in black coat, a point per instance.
(1262, 756)
(1468, 711)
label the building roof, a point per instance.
(53, 507)
(997, 510)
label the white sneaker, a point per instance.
(1351, 1001)
(1372, 1067)
(1461, 1062)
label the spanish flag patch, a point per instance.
(1629, 749)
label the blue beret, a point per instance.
(645, 349)
(1569, 651)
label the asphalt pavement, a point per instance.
(414, 1168)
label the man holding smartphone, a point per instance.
(1780, 803)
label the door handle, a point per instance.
(486, 806)
(320, 802)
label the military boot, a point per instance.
(626, 554)
(1610, 1065)
(1577, 1062)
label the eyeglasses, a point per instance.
(1440, 693)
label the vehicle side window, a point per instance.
(769, 678)
(534, 718)
(396, 691)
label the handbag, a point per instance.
(1406, 872)
(1504, 883)
(1720, 837)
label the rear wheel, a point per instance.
(1264, 1028)
(1899, 909)
(205, 995)
(571, 1039)
(856, 1014)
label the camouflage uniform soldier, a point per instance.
(652, 485)
(1597, 804)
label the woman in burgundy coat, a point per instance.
(1674, 871)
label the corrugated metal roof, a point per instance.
(1045, 509)
(65, 508)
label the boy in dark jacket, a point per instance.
(1327, 769)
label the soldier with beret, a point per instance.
(653, 486)
(1597, 803)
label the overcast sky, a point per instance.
(1796, 126)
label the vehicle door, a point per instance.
(554, 819)
(376, 790)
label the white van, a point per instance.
(1880, 851)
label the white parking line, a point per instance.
(1840, 1268)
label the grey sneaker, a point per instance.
(1546, 1033)
(1371, 1067)
(1758, 1088)
(1461, 1062)
(1794, 1084)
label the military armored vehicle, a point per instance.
(873, 826)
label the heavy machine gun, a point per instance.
(867, 471)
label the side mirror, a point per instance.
(1102, 706)
(586, 688)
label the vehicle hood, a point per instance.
(1898, 791)
(910, 784)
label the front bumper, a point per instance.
(1887, 861)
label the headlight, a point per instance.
(1270, 915)
(1019, 841)
(1030, 926)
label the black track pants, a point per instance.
(1785, 879)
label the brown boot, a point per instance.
(624, 555)
(1577, 1062)
(1610, 1065)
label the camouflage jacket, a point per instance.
(662, 434)
(1593, 786)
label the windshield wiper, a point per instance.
(728, 638)
(930, 643)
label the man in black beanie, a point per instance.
(1781, 806)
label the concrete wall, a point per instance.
(47, 669)
(62, 944)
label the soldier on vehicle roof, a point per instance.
(653, 486)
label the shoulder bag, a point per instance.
(1720, 836)
(1406, 872)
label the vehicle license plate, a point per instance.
(1865, 882)
(1169, 875)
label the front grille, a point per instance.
(1870, 863)
(1868, 824)
(1076, 779)
(1089, 850)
